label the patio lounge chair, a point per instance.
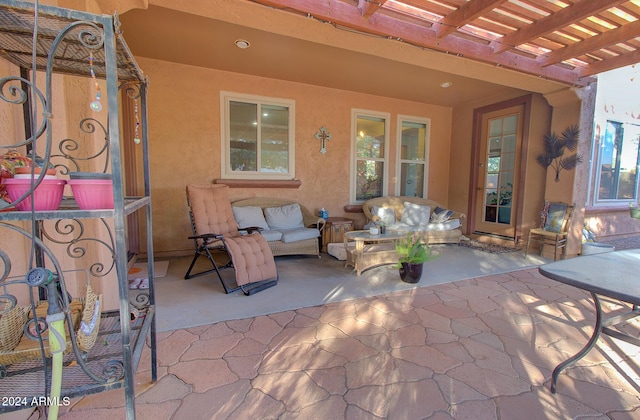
(216, 231)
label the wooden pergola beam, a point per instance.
(564, 17)
(463, 15)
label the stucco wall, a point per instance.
(184, 133)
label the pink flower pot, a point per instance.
(46, 196)
(92, 194)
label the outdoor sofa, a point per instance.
(289, 227)
(433, 222)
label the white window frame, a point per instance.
(225, 169)
(400, 161)
(355, 113)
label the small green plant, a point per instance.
(411, 250)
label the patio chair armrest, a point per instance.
(251, 229)
(206, 237)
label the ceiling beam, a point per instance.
(369, 7)
(463, 15)
(577, 11)
(343, 14)
(603, 40)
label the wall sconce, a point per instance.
(323, 136)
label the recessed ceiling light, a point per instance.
(446, 84)
(242, 43)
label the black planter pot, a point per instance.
(410, 272)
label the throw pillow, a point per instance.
(555, 217)
(249, 217)
(441, 215)
(386, 215)
(415, 214)
(284, 217)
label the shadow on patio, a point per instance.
(478, 348)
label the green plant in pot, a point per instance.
(412, 254)
(634, 209)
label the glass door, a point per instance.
(498, 166)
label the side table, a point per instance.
(334, 230)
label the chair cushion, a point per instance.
(298, 234)
(284, 217)
(415, 214)
(249, 217)
(386, 214)
(252, 259)
(211, 209)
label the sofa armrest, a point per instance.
(319, 224)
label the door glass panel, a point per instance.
(500, 166)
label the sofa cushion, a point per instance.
(284, 217)
(415, 214)
(271, 235)
(249, 217)
(386, 214)
(403, 227)
(298, 234)
(441, 215)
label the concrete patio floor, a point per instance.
(480, 348)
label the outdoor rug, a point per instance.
(488, 247)
(140, 270)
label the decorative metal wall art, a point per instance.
(323, 136)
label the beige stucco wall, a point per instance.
(184, 133)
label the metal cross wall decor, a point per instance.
(323, 136)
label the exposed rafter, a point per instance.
(465, 14)
(558, 20)
(567, 41)
(369, 7)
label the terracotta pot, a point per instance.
(410, 272)
(23, 170)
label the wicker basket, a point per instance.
(29, 349)
(12, 323)
(90, 323)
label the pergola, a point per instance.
(568, 41)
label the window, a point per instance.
(369, 174)
(413, 156)
(257, 135)
(618, 161)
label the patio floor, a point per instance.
(481, 348)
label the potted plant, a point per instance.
(634, 210)
(412, 254)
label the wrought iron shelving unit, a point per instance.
(75, 43)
